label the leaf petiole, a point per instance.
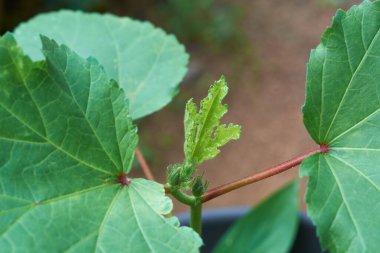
(274, 170)
(144, 165)
(181, 196)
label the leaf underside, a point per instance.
(342, 110)
(147, 63)
(65, 138)
(270, 227)
(204, 134)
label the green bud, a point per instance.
(180, 176)
(187, 173)
(199, 188)
(174, 175)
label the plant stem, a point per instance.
(223, 189)
(144, 165)
(196, 217)
(182, 197)
(195, 207)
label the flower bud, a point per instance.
(199, 188)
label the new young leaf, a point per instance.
(147, 63)
(203, 132)
(342, 110)
(66, 144)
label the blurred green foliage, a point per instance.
(12, 12)
(72, 4)
(210, 22)
(213, 22)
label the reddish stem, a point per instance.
(144, 165)
(220, 190)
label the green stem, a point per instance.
(196, 218)
(182, 197)
(195, 206)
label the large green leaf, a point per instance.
(66, 144)
(270, 227)
(342, 110)
(145, 61)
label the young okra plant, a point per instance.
(73, 83)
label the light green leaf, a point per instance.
(147, 63)
(203, 132)
(67, 143)
(342, 110)
(270, 227)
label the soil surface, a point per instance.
(267, 90)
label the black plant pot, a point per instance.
(217, 221)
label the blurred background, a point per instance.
(261, 46)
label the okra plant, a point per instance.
(71, 86)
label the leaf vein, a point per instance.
(356, 226)
(351, 81)
(54, 145)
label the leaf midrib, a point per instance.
(62, 197)
(23, 79)
(202, 124)
(84, 114)
(322, 92)
(16, 221)
(117, 50)
(149, 73)
(358, 171)
(352, 78)
(356, 226)
(106, 215)
(54, 145)
(155, 211)
(357, 124)
(43, 123)
(138, 223)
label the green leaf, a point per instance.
(203, 132)
(147, 63)
(270, 227)
(342, 110)
(67, 143)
